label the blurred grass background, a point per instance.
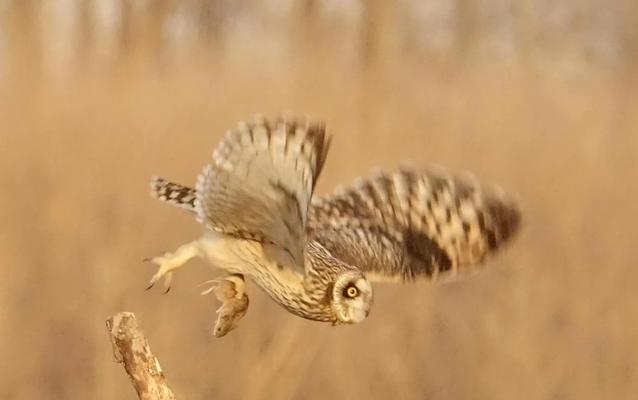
(538, 96)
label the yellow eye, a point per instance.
(352, 292)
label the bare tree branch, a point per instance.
(131, 348)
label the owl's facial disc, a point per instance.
(351, 297)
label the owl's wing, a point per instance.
(413, 224)
(261, 180)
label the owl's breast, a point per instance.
(269, 267)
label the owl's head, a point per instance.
(351, 297)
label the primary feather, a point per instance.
(396, 226)
(413, 224)
(260, 183)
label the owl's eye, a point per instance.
(351, 292)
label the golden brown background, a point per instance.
(537, 96)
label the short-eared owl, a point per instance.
(316, 255)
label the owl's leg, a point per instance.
(231, 292)
(169, 262)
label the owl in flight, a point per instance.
(316, 256)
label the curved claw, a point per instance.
(169, 262)
(162, 272)
(167, 282)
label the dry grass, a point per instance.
(554, 317)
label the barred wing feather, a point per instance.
(413, 224)
(260, 183)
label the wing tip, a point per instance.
(506, 216)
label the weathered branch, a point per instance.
(131, 348)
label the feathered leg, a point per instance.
(169, 262)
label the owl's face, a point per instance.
(351, 297)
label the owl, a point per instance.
(316, 256)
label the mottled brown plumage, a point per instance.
(413, 224)
(316, 255)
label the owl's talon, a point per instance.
(169, 262)
(161, 273)
(167, 282)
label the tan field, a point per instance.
(86, 117)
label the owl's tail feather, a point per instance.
(173, 193)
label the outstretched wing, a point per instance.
(261, 180)
(411, 224)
